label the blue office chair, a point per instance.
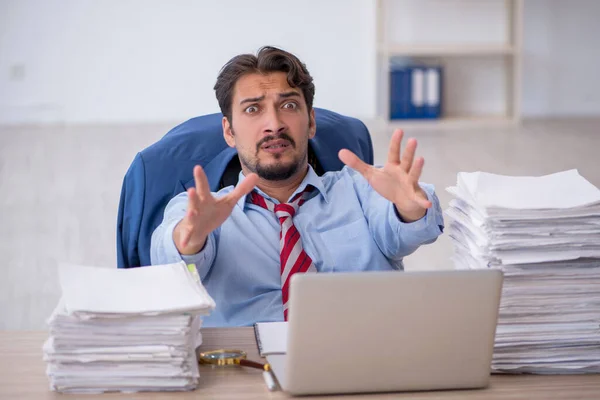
(165, 169)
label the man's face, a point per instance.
(270, 126)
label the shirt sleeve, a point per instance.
(163, 249)
(394, 237)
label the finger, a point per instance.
(193, 203)
(415, 170)
(422, 200)
(202, 186)
(394, 150)
(242, 189)
(409, 155)
(352, 160)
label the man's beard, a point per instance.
(276, 171)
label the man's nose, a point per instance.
(273, 122)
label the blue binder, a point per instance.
(433, 92)
(400, 83)
(415, 92)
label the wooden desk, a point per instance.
(22, 375)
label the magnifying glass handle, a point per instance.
(252, 364)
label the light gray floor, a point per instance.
(60, 188)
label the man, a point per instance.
(282, 218)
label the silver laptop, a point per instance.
(389, 331)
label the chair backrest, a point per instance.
(164, 169)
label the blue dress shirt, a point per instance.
(345, 226)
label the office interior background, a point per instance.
(85, 85)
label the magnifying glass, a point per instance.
(228, 357)
(231, 357)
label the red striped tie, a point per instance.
(292, 256)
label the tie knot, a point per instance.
(283, 210)
(286, 209)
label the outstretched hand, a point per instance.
(206, 213)
(398, 180)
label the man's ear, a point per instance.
(228, 132)
(312, 124)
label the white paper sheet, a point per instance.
(136, 291)
(566, 189)
(271, 337)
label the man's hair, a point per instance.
(268, 59)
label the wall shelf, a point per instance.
(447, 50)
(444, 123)
(507, 52)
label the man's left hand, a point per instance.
(398, 180)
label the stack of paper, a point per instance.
(544, 233)
(126, 330)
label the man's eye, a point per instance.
(251, 109)
(290, 106)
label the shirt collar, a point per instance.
(311, 179)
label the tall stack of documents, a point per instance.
(126, 330)
(544, 233)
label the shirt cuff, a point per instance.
(431, 224)
(172, 253)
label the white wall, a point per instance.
(151, 60)
(561, 62)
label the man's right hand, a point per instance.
(206, 213)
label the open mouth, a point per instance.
(279, 144)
